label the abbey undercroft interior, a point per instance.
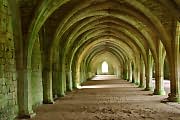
(90, 59)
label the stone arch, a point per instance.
(134, 3)
(80, 58)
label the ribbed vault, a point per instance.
(76, 36)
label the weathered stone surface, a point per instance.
(8, 82)
(50, 46)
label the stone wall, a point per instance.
(8, 81)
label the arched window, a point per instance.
(104, 67)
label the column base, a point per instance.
(136, 83)
(148, 89)
(141, 86)
(76, 85)
(133, 81)
(159, 92)
(61, 95)
(26, 116)
(173, 98)
(48, 102)
(70, 90)
(130, 81)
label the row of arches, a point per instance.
(58, 48)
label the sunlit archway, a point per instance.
(105, 67)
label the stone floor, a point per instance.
(109, 98)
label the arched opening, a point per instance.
(105, 66)
(166, 76)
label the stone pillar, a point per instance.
(55, 80)
(136, 72)
(159, 67)
(142, 74)
(127, 71)
(61, 79)
(174, 96)
(69, 81)
(64, 81)
(61, 83)
(24, 94)
(119, 72)
(47, 86)
(60, 86)
(137, 69)
(149, 72)
(130, 72)
(133, 74)
(76, 83)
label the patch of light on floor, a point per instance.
(105, 77)
(105, 86)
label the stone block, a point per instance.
(1, 54)
(10, 97)
(2, 81)
(15, 84)
(1, 67)
(9, 54)
(11, 61)
(8, 74)
(1, 72)
(3, 100)
(2, 47)
(14, 77)
(4, 89)
(12, 89)
(10, 102)
(14, 95)
(2, 36)
(2, 61)
(10, 68)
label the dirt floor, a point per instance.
(108, 98)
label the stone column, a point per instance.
(125, 71)
(47, 86)
(137, 68)
(119, 72)
(136, 72)
(69, 81)
(130, 72)
(61, 71)
(24, 94)
(47, 72)
(61, 83)
(159, 76)
(142, 74)
(77, 80)
(174, 96)
(149, 72)
(133, 74)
